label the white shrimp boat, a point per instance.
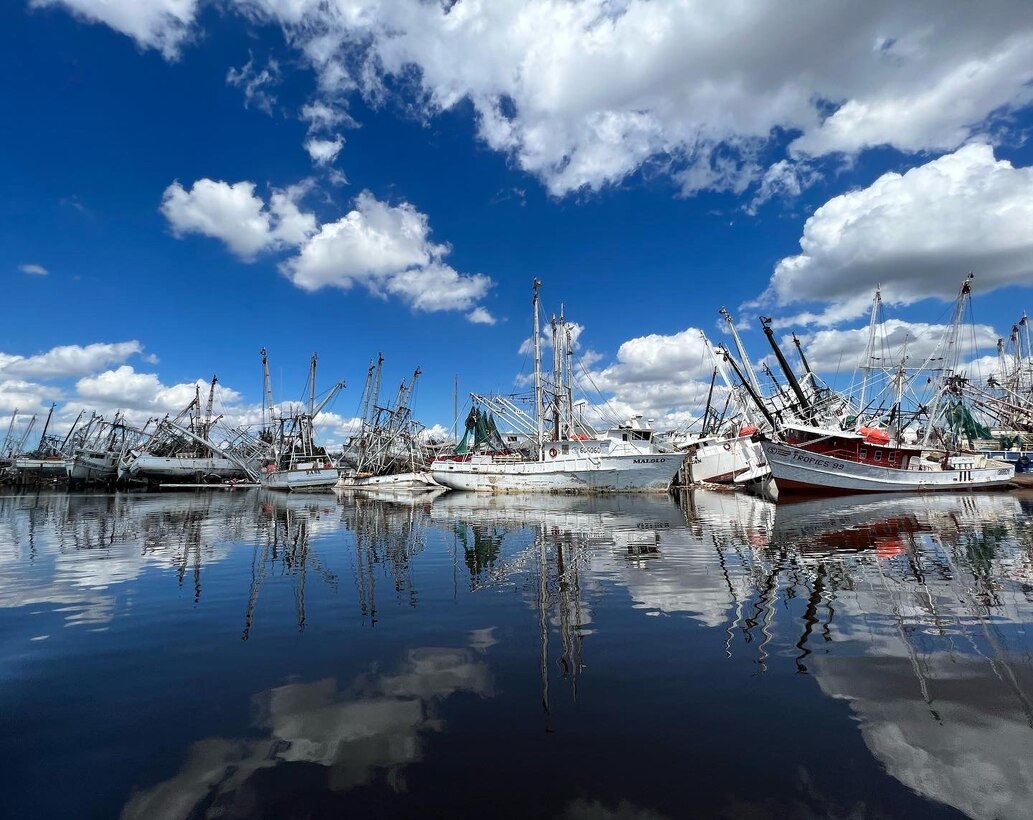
(299, 464)
(302, 475)
(601, 465)
(387, 448)
(572, 459)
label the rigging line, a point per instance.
(614, 418)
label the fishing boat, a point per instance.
(99, 448)
(826, 460)
(298, 463)
(388, 454)
(181, 450)
(47, 462)
(821, 461)
(568, 458)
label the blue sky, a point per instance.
(183, 182)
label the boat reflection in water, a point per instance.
(73, 550)
(915, 611)
(323, 655)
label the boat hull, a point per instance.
(797, 470)
(93, 468)
(397, 481)
(157, 469)
(309, 479)
(577, 474)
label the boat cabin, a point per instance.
(866, 446)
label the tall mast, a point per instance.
(10, 429)
(805, 405)
(706, 410)
(743, 357)
(376, 382)
(537, 343)
(312, 387)
(267, 398)
(869, 348)
(208, 407)
(46, 426)
(568, 349)
(949, 352)
(557, 378)
(749, 388)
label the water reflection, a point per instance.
(371, 729)
(911, 612)
(70, 551)
(914, 610)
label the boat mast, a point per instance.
(749, 389)
(706, 410)
(805, 405)
(537, 344)
(307, 428)
(949, 353)
(46, 425)
(568, 350)
(10, 429)
(754, 383)
(557, 379)
(869, 348)
(206, 430)
(267, 398)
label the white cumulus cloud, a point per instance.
(387, 249)
(584, 93)
(34, 270)
(67, 360)
(157, 24)
(239, 217)
(918, 234)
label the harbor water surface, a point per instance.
(238, 654)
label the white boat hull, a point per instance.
(173, 470)
(93, 468)
(301, 478)
(397, 481)
(796, 469)
(571, 474)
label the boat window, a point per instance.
(878, 455)
(624, 436)
(566, 448)
(893, 456)
(864, 452)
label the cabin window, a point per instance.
(864, 452)
(878, 455)
(893, 456)
(565, 448)
(624, 436)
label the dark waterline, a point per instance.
(237, 654)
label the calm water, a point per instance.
(235, 654)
